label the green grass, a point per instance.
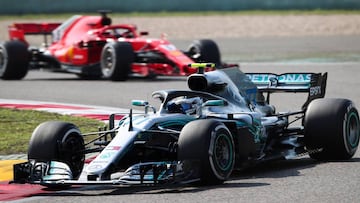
(16, 127)
(195, 13)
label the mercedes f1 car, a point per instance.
(91, 47)
(223, 123)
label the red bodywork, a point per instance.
(78, 43)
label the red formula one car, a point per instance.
(91, 47)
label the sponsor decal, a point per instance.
(117, 148)
(310, 151)
(106, 155)
(99, 162)
(285, 78)
(176, 53)
(169, 47)
(95, 167)
(315, 91)
(172, 49)
(78, 57)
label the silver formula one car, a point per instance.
(224, 122)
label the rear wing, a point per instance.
(312, 83)
(17, 31)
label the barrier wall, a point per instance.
(72, 6)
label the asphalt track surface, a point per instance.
(301, 180)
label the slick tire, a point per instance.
(209, 146)
(14, 60)
(58, 141)
(205, 51)
(332, 129)
(116, 60)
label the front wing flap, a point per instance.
(58, 173)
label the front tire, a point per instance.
(58, 141)
(210, 144)
(332, 129)
(14, 60)
(205, 51)
(116, 60)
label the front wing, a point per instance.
(56, 173)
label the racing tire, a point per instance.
(209, 144)
(116, 60)
(14, 60)
(205, 51)
(331, 129)
(58, 141)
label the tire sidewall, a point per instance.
(50, 142)
(122, 57)
(351, 144)
(208, 50)
(197, 143)
(327, 129)
(3, 59)
(15, 60)
(221, 172)
(108, 49)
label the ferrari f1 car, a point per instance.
(223, 123)
(91, 47)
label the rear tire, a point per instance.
(210, 144)
(332, 129)
(116, 60)
(58, 141)
(14, 60)
(205, 51)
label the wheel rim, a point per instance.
(195, 52)
(223, 152)
(108, 61)
(353, 130)
(3, 58)
(72, 151)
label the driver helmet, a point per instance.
(185, 106)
